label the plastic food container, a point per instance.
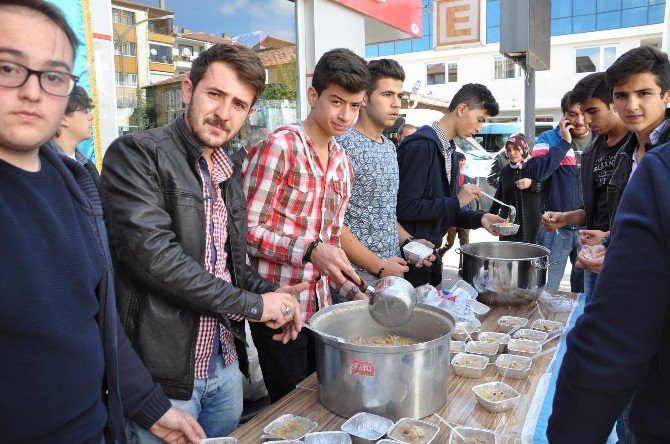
(531, 335)
(524, 347)
(484, 348)
(514, 366)
(496, 397)
(501, 339)
(472, 435)
(461, 329)
(366, 428)
(469, 366)
(416, 252)
(327, 438)
(413, 431)
(550, 327)
(512, 322)
(290, 426)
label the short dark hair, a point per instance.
(78, 101)
(341, 67)
(241, 59)
(593, 86)
(384, 69)
(637, 61)
(460, 156)
(567, 102)
(475, 95)
(53, 13)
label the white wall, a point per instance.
(476, 65)
(101, 22)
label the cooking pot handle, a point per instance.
(540, 263)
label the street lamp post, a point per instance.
(122, 38)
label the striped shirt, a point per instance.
(216, 235)
(292, 201)
(445, 148)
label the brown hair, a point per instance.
(241, 59)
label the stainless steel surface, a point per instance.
(328, 438)
(512, 210)
(468, 365)
(405, 429)
(320, 333)
(393, 302)
(523, 364)
(496, 406)
(510, 273)
(366, 428)
(395, 381)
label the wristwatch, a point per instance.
(407, 241)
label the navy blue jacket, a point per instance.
(620, 347)
(554, 165)
(427, 202)
(131, 391)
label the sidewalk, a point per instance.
(450, 260)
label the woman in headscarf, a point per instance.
(516, 188)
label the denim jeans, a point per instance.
(560, 245)
(589, 284)
(216, 403)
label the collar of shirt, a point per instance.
(445, 142)
(334, 149)
(656, 134)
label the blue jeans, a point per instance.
(589, 284)
(216, 403)
(560, 246)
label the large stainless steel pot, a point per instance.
(394, 382)
(511, 273)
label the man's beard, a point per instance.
(202, 136)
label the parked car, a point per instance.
(494, 135)
(477, 165)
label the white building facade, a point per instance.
(587, 36)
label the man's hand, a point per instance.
(331, 261)
(591, 237)
(523, 184)
(488, 220)
(467, 193)
(426, 262)
(565, 128)
(595, 264)
(178, 427)
(289, 332)
(552, 220)
(395, 266)
(280, 308)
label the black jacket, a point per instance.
(623, 165)
(586, 174)
(526, 202)
(427, 202)
(154, 203)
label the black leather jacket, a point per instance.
(153, 200)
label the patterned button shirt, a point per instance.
(446, 148)
(292, 201)
(216, 234)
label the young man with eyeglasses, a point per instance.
(68, 373)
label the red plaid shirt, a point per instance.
(291, 202)
(216, 234)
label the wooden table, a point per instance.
(461, 407)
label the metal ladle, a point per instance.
(512, 210)
(392, 299)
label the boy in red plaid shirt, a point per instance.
(298, 184)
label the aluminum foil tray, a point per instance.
(413, 431)
(469, 366)
(472, 435)
(514, 366)
(495, 406)
(366, 428)
(416, 252)
(290, 426)
(328, 438)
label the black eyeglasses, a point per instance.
(56, 83)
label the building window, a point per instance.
(128, 18)
(160, 53)
(116, 16)
(435, 74)
(594, 59)
(503, 68)
(126, 79)
(129, 48)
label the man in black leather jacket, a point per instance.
(178, 226)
